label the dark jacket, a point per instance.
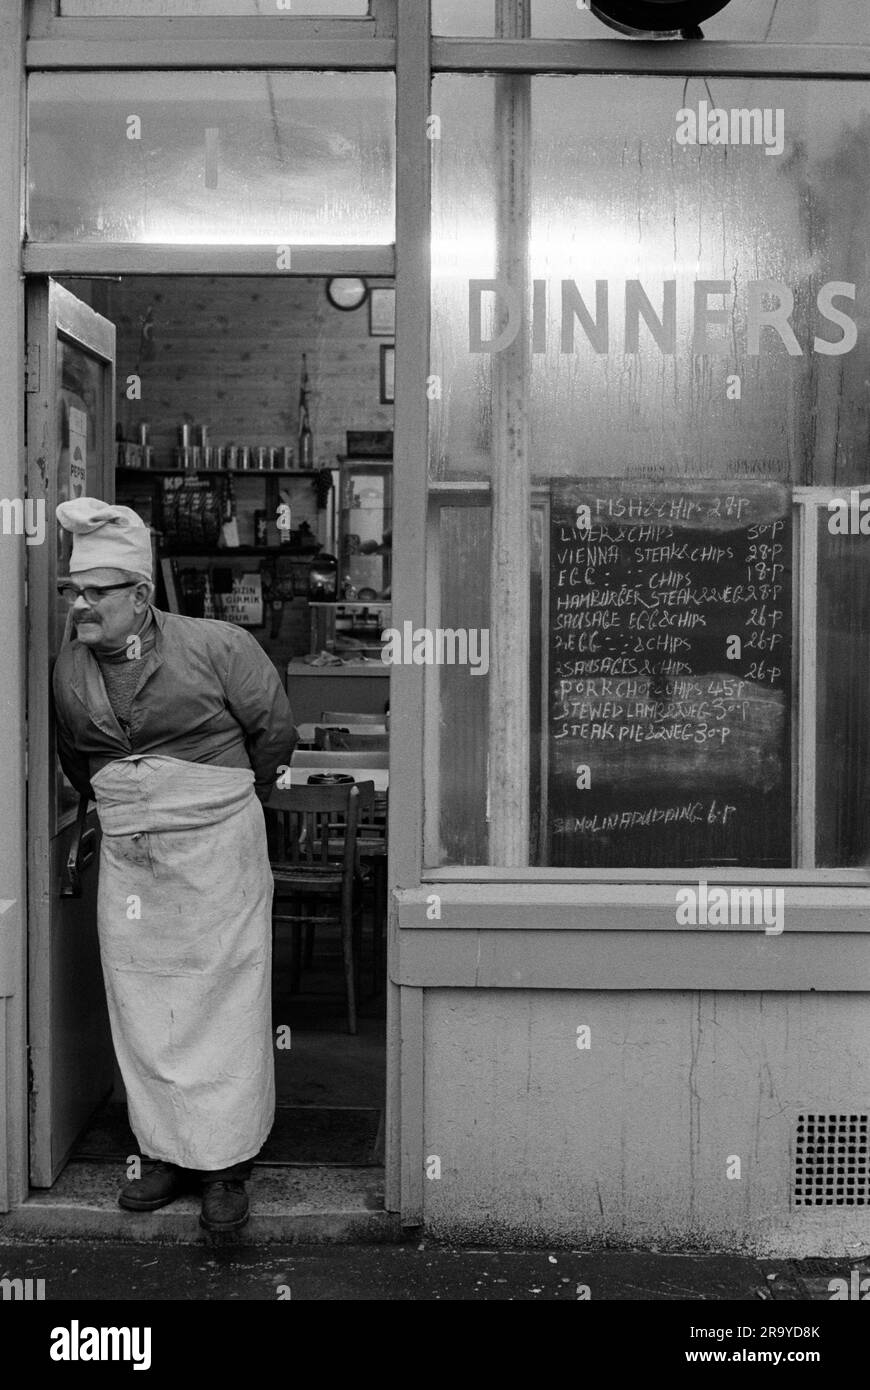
(207, 693)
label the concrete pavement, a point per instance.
(230, 1270)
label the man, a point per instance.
(175, 726)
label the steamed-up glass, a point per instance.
(621, 204)
(212, 158)
(636, 381)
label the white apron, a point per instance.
(188, 982)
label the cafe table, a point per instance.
(362, 767)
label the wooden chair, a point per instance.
(371, 842)
(331, 716)
(339, 741)
(374, 833)
(371, 846)
(313, 849)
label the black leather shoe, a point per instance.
(159, 1185)
(225, 1205)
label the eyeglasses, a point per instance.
(91, 594)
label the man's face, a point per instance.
(106, 625)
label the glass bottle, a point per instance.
(306, 439)
(306, 444)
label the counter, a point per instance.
(360, 686)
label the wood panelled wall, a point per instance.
(227, 352)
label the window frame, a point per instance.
(809, 504)
(58, 9)
(47, 24)
(627, 888)
(83, 257)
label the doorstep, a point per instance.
(309, 1205)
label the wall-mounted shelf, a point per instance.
(216, 472)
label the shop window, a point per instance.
(212, 158)
(118, 9)
(678, 325)
(742, 21)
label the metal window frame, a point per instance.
(280, 44)
(55, 41)
(618, 58)
(190, 51)
(141, 258)
(85, 258)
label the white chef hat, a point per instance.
(106, 536)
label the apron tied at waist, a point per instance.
(184, 917)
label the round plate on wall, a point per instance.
(347, 292)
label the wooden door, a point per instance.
(70, 452)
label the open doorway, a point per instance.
(218, 381)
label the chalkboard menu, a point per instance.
(669, 659)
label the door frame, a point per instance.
(403, 1085)
(13, 843)
(54, 43)
(65, 1083)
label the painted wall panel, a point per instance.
(629, 1141)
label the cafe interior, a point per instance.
(254, 429)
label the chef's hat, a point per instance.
(106, 536)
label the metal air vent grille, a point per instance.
(832, 1161)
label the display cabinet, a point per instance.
(365, 529)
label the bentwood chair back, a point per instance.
(313, 848)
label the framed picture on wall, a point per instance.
(382, 313)
(388, 374)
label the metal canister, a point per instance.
(184, 436)
(231, 456)
(207, 456)
(244, 458)
(261, 456)
(288, 456)
(202, 435)
(195, 455)
(274, 459)
(219, 456)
